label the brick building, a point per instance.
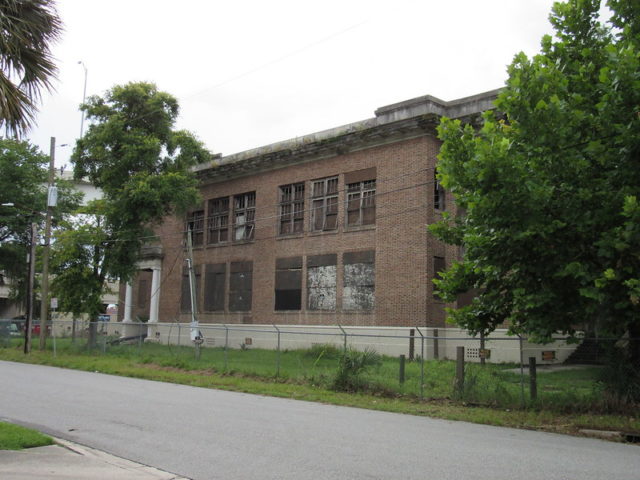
(325, 229)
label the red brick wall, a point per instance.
(404, 249)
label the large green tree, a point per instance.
(142, 165)
(23, 198)
(550, 185)
(27, 28)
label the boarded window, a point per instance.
(439, 266)
(361, 203)
(244, 216)
(214, 282)
(288, 295)
(185, 298)
(438, 193)
(291, 208)
(359, 281)
(195, 223)
(240, 286)
(324, 208)
(219, 220)
(321, 282)
(143, 293)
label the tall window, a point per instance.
(359, 281)
(195, 223)
(324, 213)
(288, 283)
(219, 220)
(214, 284)
(361, 203)
(244, 216)
(438, 192)
(240, 286)
(321, 282)
(291, 208)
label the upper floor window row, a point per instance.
(360, 203)
(229, 218)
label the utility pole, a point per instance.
(52, 200)
(30, 282)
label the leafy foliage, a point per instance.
(26, 63)
(550, 186)
(353, 363)
(132, 153)
(23, 177)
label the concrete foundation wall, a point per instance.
(393, 341)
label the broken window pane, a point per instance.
(195, 223)
(219, 220)
(244, 216)
(291, 208)
(324, 214)
(361, 203)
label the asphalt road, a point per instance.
(211, 434)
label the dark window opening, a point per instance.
(219, 220)
(240, 286)
(288, 294)
(195, 223)
(291, 208)
(214, 287)
(324, 215)
(143, 293)
(244, 216)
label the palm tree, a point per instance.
(26, 64)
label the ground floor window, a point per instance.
(358, 292)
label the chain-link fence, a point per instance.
(431, 363)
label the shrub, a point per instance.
(353, 363)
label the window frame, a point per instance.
(216, 217)
(361, 196)
(328, 200)
(248, 224)
(195, 223)
(291, 206)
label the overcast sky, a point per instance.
(249, 73)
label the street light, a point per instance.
(84, 95)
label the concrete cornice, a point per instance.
(398, 121)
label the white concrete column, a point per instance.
(128, 302)
(154, 306)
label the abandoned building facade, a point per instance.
(326, 229)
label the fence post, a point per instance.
(533, 378)
(412, 334)
(421, 364)
(459, 370)
(226, 345)
(482, 352)
(179, 333)
(435, 344)
(278, 354)
(522, 402)
(345, 337)
(401, 373)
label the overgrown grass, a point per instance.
(15, 437)
(567, 400)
